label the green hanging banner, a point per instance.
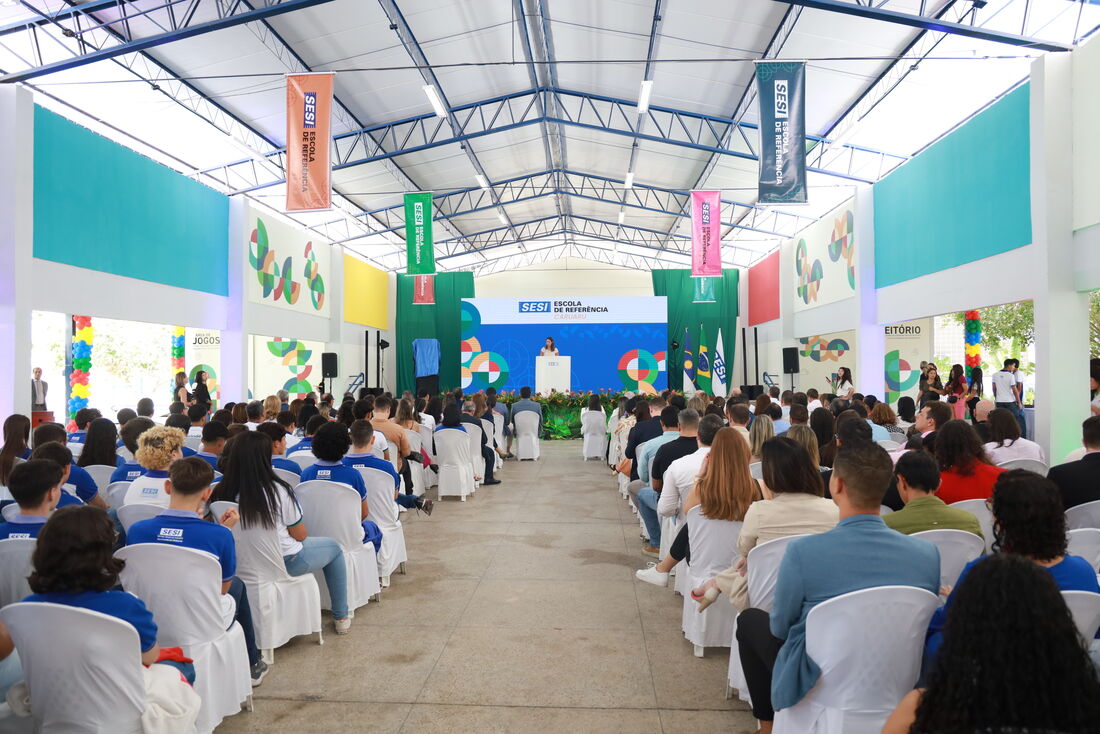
(418, 233)
(703, 290)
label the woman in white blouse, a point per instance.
(1006, 443)
(844, 387)
(549, 350)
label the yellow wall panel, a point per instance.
(366, 294)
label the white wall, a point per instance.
(564, 278)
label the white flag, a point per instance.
(718, 369)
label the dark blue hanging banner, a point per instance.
(781, 91)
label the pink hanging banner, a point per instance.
(706, 234)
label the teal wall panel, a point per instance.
(966, 197)
(101, 206)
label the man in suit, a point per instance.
(526, 403)
(859, 553)
(1079, 481)
(38, 390)
(642, 432)
(486, 452)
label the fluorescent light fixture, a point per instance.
(503, 219)
(622, 216)
(433, 96)
(482, 181)
(629, 183)
(643, 96)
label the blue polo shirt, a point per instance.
(188, 451)
(25, 454)
(280, 462)
(187, 529)
(120, 604)
(209, 458)
(22, 526)
(373, 462)
(77, 437)
(306, 444)
(82, 482)
(128, 472)
(335, 471)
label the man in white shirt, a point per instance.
(812, 403)
(1008, 392)
(785, 403)
(197, 415)
(255, 411)
(738, 416)
(680, 475)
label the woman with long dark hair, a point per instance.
(966, 473)
(432, 414)
(1011, 661)
(100, 445)
(345, 414)
(549, 349)
(760, 407)
(974, 391)
(17, 436)
(1005, 443)
(957, 388)
(594, 404)
(930, 382)
(823, 424)
(264, 500)
(907, 411)
(179, 392)
(201, 396)
(845, 388)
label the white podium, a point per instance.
(552, 373)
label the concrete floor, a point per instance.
(519, 613)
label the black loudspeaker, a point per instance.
(328, 365)
(752, 392)
(790, 360)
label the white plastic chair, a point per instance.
(978, 509)
(889, 445)
(884, 510)
(116, 494)
(594, 431)
(182, 588)
(416, 468)
(756, 470)
(9, 512)
(474, 436)
(384, 513)
(332, 510)
(136, 512)
(1085, 542)
(868, 645)
(1033, 465)
(614, 447)
(283, 606)
(95, 685)
(101, 475)
(76, 448)
(957, 548)
(498, 428)
(287, 476)
(713, 549)
(1083, 516)
(1085, 608)
(15, 567)
(303, 458)
(527, 435)
(456, 468)
(125, 453)
(193, 442)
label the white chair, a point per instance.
(1085, 608)
(614, 447)
(762, 571)
(474, 436)
(868, 645)
(76, 448)
(303, 458)
(283, 606)
(182, 588)
(9, 512)
(101, 475)
(884, 510)
(332, 510)
(1083, 516)
(527, 435)
(957, 548)
(136, 512)
(15, 567)
(490, 435)
(594, 431)
(498, 428)
(116, 494)
(1033, 465)
(889, 445)
(416, 468)
(756, 470)
(287, 476)
(1085, 542)
(456, 468)
(713, 549)
(125, 453)
(978, 509)
(427, 447)
(384, 513)
(96, 686)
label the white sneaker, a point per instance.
(402, 508)
(652, 576)
(342, 625)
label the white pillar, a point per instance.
(1061, 313)
(16, 248)
(870, 377)
(234, 339)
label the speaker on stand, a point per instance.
(329, 369)
(790, 363)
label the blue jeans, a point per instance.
(324, 554)
(408, 501)
(244, 618)
(647, 508)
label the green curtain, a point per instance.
(443, 321)
(677, 286)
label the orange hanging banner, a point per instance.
(308, 142)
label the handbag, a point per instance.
(625, 466)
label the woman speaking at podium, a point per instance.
(549, 350)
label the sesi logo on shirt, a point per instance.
(17, 536)
(172, 535)
(324, 473)
(150, 490)
(132, 475)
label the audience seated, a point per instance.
(62, 458)
(223, 416)
(100, 445)
(647, 426)
(1079, 481)
(739, 417)
(798, 416)
(467, 417)
(982, 409)
(145, 408)
(182, 525)
(779, 423)
(883, 415)
(823, 424)
(266, 501)
(158, 447)
(306, 442)
(215, 434)
(82, 419)
(965, 471)
(197, 415)
(362, 435)
(1011, 660)
(36, 487)
(278, 435)
(124, 415)
(918, 478)
(128, 471)
(398, 441)
(254, 414)
(17, 434)
(330, 445)
(643, 492)
(1028, 521)
(761, 430)
(859, 553)
(77, 482)
(1005, 443)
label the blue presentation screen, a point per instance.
(614, 343)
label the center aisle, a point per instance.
(519, 613)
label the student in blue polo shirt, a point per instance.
(75, 480)
(362, 442)
(157, 449)
(214, 436)
(330, 443)
(74, 564)
(83, 417)
(189, 490)
(278, 434)
(305, 445)
(36, 486)
(183, 423)
(130, 433)
(78, 482)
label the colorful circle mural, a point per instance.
(638, 370)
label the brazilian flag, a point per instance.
(702, 364)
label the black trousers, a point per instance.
(490, 461)
(680, 550)
(406, 474)
(758, 649)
